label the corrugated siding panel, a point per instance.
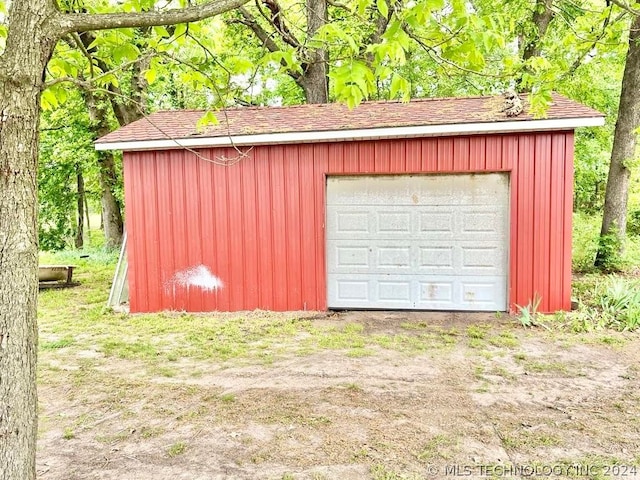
(209, 237)
(567, 224)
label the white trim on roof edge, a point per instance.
(359, 134)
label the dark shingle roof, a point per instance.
(332, 117)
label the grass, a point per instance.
(438, 447)
(176, 449)
(586, 231)
(605, 302)
(77, 318)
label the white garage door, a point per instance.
(433, 242)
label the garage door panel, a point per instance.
(397, 291)
(481, 258)
(436, 257)
(394, 222)
(483, 294)
(436, 291)
(437, 222)
(379, 256)
(418, 241)
(350, 221)
(351, 291)
(402, 292)
(352, 256)
(393, 257)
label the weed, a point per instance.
(504, 339)
(606, 302)
(524, 440)
(413, 325)
(176, 449)
(353, 387)
(620, 302)
(528, 313)
(477, 331)
(150, 432)
(68, 433)
(227, 398)
(542, 367)
(436, 448)
(56, 344)
(381, 472)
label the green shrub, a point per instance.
(633, 223)
(606, 301)
(609, 258)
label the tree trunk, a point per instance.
(28, 49)
(34, 27)
(80, 203)
(614, 220)
(111, 208)
(542, 15)
(314, 80)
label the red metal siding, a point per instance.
(257, 227)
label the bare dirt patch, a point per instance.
(479, 395)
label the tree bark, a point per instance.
(34, 27)
(614, 220)
(79, 242)
(28, 50)
(111, 208)
(542, 16)
(314, 80)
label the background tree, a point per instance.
(67, 176)
(623, 156)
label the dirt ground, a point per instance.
(499, 401)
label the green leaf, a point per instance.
(362, 5)
(400, 85)
(161, 32)
(125, 52)
(180, 30)
(48, 100)
(242, 65)
(150, 76)
(209, 118)
(383, 8)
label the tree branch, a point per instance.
(78, 22)
(440, 60)
(278, 21)
(84, 83)
(268, 42)
(542, 16)
(626, 6)
(251, 22)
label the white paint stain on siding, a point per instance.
(195, 277)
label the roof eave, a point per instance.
(356, 134)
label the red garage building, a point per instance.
(438, 204)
